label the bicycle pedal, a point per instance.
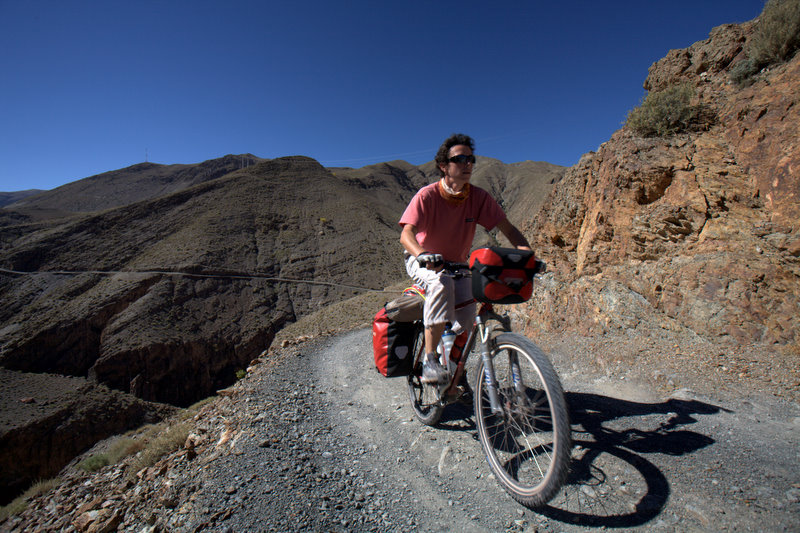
(459, 395)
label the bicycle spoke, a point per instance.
(521, 441)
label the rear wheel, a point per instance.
(528, 443)
(424, 396)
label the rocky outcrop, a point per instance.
(700, 228)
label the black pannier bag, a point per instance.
(503, 275)
(393, 344)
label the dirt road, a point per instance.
(640, 461)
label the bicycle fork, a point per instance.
(488, 368)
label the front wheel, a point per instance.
(528, 442)
(424, 396)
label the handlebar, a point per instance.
(457, 268)
(436, 262)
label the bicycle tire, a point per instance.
(424, 397)
(528, 447)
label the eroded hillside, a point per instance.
(168, 297)
(177, 338)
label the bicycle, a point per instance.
(520, 411)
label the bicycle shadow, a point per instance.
(611, 484)
(458, 416)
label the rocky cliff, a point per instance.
(46, 419)
(697, 230)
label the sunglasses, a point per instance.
(462, 159)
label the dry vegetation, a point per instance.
(776, 39)
(667, 112)
(148, 443)
(20, 503)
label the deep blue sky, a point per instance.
(87, 87)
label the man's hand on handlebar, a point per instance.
(430, 260)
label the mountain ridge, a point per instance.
(137, 182)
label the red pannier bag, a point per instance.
(502, 275)
(393, 344)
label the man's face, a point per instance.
(458, 173)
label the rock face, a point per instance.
(699, 229)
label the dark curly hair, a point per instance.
(444, 149)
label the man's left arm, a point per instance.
(514, 235)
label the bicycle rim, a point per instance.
(528, 444)
(424, 397)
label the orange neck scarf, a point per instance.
(456, 198)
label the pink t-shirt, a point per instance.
(448, 229)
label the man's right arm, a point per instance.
(408, 238)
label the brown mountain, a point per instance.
(114, 189)
(287, 218)
(697, 230)
(169, 295)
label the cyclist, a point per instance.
(439, 225)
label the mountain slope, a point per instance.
(285, 218)
(7, 198)
(136, 330)
(127, 186)
(167, 298)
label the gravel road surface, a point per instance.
(333, 445)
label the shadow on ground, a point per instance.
(611, 484)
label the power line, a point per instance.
(242, 275)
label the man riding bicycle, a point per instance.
(439, 225)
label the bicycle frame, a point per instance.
(482, 330)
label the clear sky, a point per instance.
(92, 86)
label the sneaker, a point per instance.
(432, 370)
